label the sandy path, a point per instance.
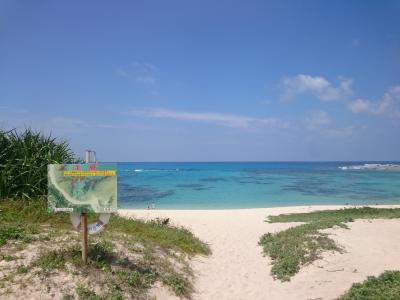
(237, 269)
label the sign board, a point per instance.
(82, 188)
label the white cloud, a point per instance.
(360, 106)
(61, 124)
(340, 132)
(321, 123)
(317, 119)
(317, 86)
(389, 104)
(224, 119)
(140, 73)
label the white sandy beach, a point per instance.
(237, 268)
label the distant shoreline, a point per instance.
(270, 210)
(289, 207)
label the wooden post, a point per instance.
(84, 231)
(88, 159)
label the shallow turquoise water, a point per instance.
(254, 184)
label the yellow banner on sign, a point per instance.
(82, 173)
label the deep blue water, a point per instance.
(254, 184)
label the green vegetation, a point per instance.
(178, 284)
(384, 287)
(8, 258)
(88, 294)
(296, 246)
(22, 270)
(51, 260)
(122, 275)
(338, 216)
(23, 162)
(125, 260)
(160, 234)
(290, 249)
(11, 233)
(34, 214)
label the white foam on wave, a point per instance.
(373, 167)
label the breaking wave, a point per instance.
(373, 167)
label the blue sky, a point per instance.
(205, 80)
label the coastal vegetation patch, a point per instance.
(126, 260)
(384, 287)
(300, 245)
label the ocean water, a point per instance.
(256, 184)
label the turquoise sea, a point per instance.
(217, 185)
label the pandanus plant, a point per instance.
(24, 157)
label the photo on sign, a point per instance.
(82, 188)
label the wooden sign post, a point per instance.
(90, 156)
(84, 230)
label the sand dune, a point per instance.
(237, 268)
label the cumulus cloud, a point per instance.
(317, 86)
(317, 119)
(389, 104)
(360, 106)
(224, 119)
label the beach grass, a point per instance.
(302, 244)
(384, 287)
(20, 219)
(124, 261)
